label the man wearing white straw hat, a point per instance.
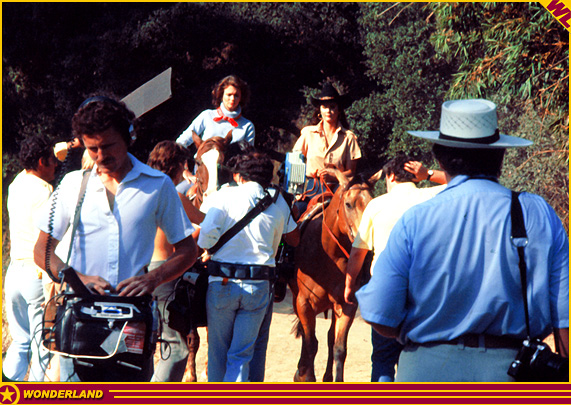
(447, 285)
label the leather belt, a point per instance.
(241, 271)
(483, 340)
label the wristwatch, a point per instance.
(430, 173)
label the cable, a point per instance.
(51, 215)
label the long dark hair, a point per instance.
(168, 157)
(316, 117)
(231, 80)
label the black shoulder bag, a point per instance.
(188, 308)
(535, 361)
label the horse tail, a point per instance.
(297, 329)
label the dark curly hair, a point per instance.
(396, 166)
(231, 80)
(99, 113)
(235, 148)
(33, 149)
(168, 157)
(254, 166)
(469, 161)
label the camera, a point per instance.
(188, 308)
(179, 310)
(536, 362)
(285, 268)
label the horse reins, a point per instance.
(321, 179)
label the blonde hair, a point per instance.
(86, 161)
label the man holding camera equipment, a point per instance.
(124, 202)
(448, 284)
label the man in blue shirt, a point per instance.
(447, 284)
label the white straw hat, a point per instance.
(470, 124)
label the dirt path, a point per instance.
(284, 348)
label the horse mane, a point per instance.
(358, 179)
(216, 142)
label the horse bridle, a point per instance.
(353, 187)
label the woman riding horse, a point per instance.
(228, 97)
(329, 144)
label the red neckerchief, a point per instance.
(221, 117)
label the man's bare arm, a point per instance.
(385, 331)
(562, 341)
(183, 257)
(354, 265)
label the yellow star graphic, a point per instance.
(7, 395)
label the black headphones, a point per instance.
(94, 99)
(116, 103)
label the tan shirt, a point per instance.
(383, 212)
(317, 151)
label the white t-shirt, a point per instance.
(26, 195)
(383, 212)
(258, 242)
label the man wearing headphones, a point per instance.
(125, 202)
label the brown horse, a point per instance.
(321, 261)
(209, 154)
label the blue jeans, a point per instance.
(235, 312)
(385, 356)
(258, 363)
(174, 348)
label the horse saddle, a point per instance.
(315, 207)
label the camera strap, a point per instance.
(80, 199)
(260, 207)
(519, 240)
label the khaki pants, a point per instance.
(454, 363)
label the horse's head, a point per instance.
(210, 153)
(350, 201)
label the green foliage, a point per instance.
(510, 50)
(411, 80)
(517, 55)
(542, 168)
(398, 61)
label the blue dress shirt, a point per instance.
(449, 267)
